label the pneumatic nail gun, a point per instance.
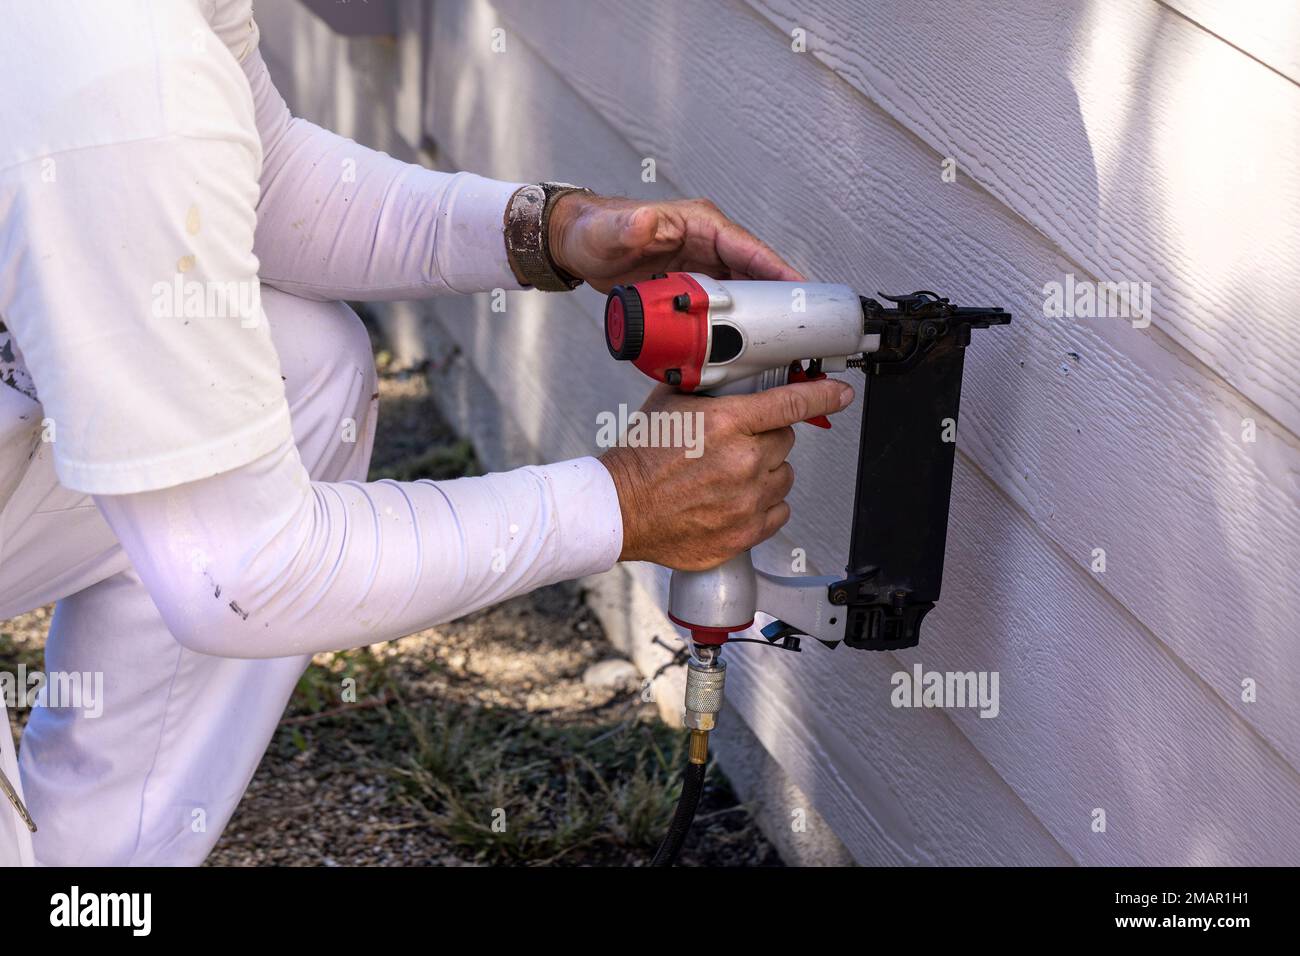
(713, 337)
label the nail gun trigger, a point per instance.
(813, 373)
(783, 634)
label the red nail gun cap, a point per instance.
(624, 323)
(662, 326)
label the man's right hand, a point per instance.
(692, 514)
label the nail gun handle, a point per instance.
(714, 603)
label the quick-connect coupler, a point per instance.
(704, 682)
(705, 673)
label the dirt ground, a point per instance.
(474, 743)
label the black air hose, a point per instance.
(692, 787)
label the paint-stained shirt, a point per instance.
(151, 178)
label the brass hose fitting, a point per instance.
(699, 752)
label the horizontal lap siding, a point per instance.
(1131, 446)
(1142, 146)
(560, 376)
(1268, 30)
(1125, 441)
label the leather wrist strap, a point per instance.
(527, 231)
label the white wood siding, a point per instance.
(1117, 141)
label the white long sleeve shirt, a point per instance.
(151, 178)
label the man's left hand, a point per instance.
(608, 241)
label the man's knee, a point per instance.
(329, 380)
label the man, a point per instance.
(188, 409)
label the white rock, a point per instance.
(615, 674)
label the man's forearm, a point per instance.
(261, 562)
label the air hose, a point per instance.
(705, 675)
(692, 787)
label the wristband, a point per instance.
(527, 236)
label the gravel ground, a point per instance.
(474, 743)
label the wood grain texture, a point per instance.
(1063, 440)
(1108, 436)
(1131, 446)
(1143, 147)
(1268, 30)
